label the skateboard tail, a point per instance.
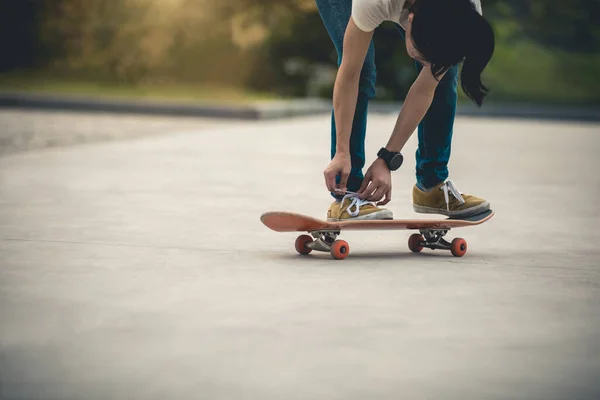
(290, 222)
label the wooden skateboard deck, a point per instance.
(326, 232)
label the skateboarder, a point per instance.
(439, 35)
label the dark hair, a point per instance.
(448, 32)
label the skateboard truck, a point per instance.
(434, 239)
(323, 240)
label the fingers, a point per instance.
(377, 195)
(387, 198)
(330, 177)
(376, 192)
(340, 166)
(330, 180)
(363, 190)
(343, 181)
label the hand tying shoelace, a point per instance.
(450, 187)
(356, 202)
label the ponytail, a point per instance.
(479, 47)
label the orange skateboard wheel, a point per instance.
(301, 244)
(458, 247)
(340, 249)
(414, 242)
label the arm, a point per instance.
(377, 185)
(415, 107)
(345, 90)
(345, 94)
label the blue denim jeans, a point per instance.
(436, 128)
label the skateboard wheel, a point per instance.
(301, 244)
(340, 249)
(414, 242)
(458, 247)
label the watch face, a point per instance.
(396, 162)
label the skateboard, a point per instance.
(324, 233)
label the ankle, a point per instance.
(422, 188)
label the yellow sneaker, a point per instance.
(353, 208)
(447, 200)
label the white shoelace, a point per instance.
(450, 187)
(356, 202)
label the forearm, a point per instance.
(413, 111)
(345, 94)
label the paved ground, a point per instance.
(140, 270)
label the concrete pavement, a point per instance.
(140, 270)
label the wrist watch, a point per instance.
(392, 159)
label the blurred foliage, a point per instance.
(547, 50)
(572, 25)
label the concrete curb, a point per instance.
(516, 111)
(254, 111)
(275, 109)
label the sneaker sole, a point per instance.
(469, 212)
(378, 215)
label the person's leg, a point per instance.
(336, 15)
(435, 133)
(435, 130)
(433, 154)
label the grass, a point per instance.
(531, 73)
(522, 70)
(45, 83)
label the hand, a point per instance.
(377, 185)
(339, 166)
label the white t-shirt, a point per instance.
(369, 14)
